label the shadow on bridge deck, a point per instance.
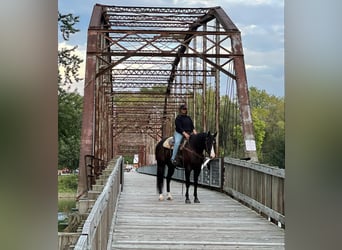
(218, 222)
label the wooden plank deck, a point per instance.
(218, 222)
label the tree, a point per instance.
(69, 129)
(259, 126)
(69, 104)
(269, 126)
(68, 61)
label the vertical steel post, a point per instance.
(243, 98)
(87, 133)
(204, 91)
(217, 92)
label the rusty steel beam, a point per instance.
(156, 10)
(158, 53)
(129, 17)
(242, 92)
(160, 72)
(87, 132)
(153, 95)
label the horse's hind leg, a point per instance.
(171, 170)
(187, 184)
(160, 179)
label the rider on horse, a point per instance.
(184, 128)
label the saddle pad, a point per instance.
(168, 143)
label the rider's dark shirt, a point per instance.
(184, 123)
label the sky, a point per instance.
(261, 23)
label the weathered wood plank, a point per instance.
(218, 222)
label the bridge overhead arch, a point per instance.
(142, 63)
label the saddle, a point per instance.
(169, 142)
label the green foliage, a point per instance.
(269, 126)
(69, 104)
(67, 183)
(66, 25)
(230, 139)
(129, 159)
(66, 205)
(68, 61)
(274, 149)
(200, 105)
(69, 129)
(259, 126)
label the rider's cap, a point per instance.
(183, 106)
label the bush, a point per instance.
(67, 183)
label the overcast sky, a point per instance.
(261, 23)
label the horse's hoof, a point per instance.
(187, 201)
(196, 200)
(161, 197)
(169, 197)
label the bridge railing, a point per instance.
(210, 176)
(258, 186)
(93, 169)
(95, 233)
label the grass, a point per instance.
(67, 188)
(66, 205)
(67, 183)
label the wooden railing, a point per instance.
(209, 176)
(95, 233)
(259, 186)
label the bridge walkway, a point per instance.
(218, 222)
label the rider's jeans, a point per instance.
(178, 138)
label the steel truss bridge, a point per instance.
(142, 63)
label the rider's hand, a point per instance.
(186, 135)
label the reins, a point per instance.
(191, 151)
(195, 153)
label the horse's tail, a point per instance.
(158, 149)
(160, 166)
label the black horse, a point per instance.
(193, 158)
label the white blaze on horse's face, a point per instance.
(212, 152)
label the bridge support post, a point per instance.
(88, 122)
(243, 98)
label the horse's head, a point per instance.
(210, 142)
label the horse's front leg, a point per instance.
(196, 174)
(171, 170)
(187, 184)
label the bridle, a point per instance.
(206, 144)
(197, 154)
